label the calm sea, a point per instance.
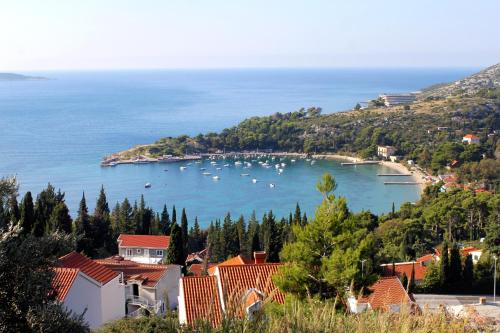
(58, 130)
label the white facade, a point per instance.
(385, 151)
(101, 303)
(158, 298)
(182, 305)
(471, 139)
(143, 255)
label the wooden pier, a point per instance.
(394, 174)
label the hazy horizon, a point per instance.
(126, 34)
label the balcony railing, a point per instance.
(144, 304)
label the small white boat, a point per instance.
(254, 180)
(277, 166)
(218, 168)
(313, 162)
(147, 185)
(283, 165)
(189, 163)
(215, 177)
(308, 160)
(238, 163)
(213, 163)
(280, 170)
(293, 161)
(198, 162)
(206, 173)
(183, 168)
(203, 169)
(226, 165)
(245, 174)
(272, 185)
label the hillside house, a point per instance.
(149, 288)
(235, 286)
(400, 269)
(82, 285)
(471, 139)
(387, 294)
(385, 151)
(146, 249)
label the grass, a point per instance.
(307, 316)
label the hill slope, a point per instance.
(19, 77)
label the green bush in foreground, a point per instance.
(307, 316)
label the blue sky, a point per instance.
(115, 34)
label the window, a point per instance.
(139, 251)
(159, 253)
(129, 252)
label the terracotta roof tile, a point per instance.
(149, 274)
(197, 269)
(405, 268)
(467, 250)
(149, 241)
(99, 273)
(237, 280)
(63, 280)
(238, 260)
(386, 291)
(202, 299)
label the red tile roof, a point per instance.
(238, 260)
(426, 257)
(467, 250)
(197, 255)
(148, 241)
(237, 280)
(405, 268)
(470, 136)
(202, 300)
(98, 272)
(149, 274)
(63, 280)
(386, 291)
(197, 269)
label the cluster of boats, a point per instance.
(278, 163)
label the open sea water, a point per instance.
(58, 130)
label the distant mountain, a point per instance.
(19, 77)
(487, 78)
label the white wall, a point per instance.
(182, 304)
(113, 300)
(85, 294)
(169, 284)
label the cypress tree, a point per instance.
(304, 219)
(174, 215)
(242, 235)
(137, 219)
(127, 224)
(404, 281)
(3, 216)
(184, 232)
(274, 244)
(230, 238)
(455, 267)
(60, 219)
(165, 221)
(412, 279)
(45, 203)
(175, 252)
(115, 221)
(14, 212)
(253, 235)
(444, 267)
(84, 230)
(27, 213)
(297, 216)
(468, 274)
(101, 224)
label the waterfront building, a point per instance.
(385, 151)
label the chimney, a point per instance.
(259, 257)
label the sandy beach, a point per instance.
(417, 175)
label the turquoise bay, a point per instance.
(58, 130)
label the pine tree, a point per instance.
(274, 243)
(184, 233)
(115, 221)
(412, 285)
(27, 213)
(304, 219)
(230, 238)
(127, 224)
(444, 267)
(468, 274)
(165, 221)
(155, 226)
(253, 235)
(175, 252)
(404, 281)
(195, 238)
(102, 224)
(174, 215)
(45, 203)
(60, 219)
(137, 219)
(3, 216)
(84, 232)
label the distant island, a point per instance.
(19, 77)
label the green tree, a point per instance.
(101, 225)
(27, 213)
(444, 267)
(468, 274)
(184, 232)
(14, 212)
(455, 268)
(83, 230)
(165, 221)
(175, 253)
(60, 219)
(126, 218)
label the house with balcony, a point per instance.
(84, 286)
(385, 151)
(146, 249)
(149, 288)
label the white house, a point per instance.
(81, 285)
(471, 139)
(385, 151)
(146, 249)
(151, 288)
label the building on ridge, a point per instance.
(146, 249)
